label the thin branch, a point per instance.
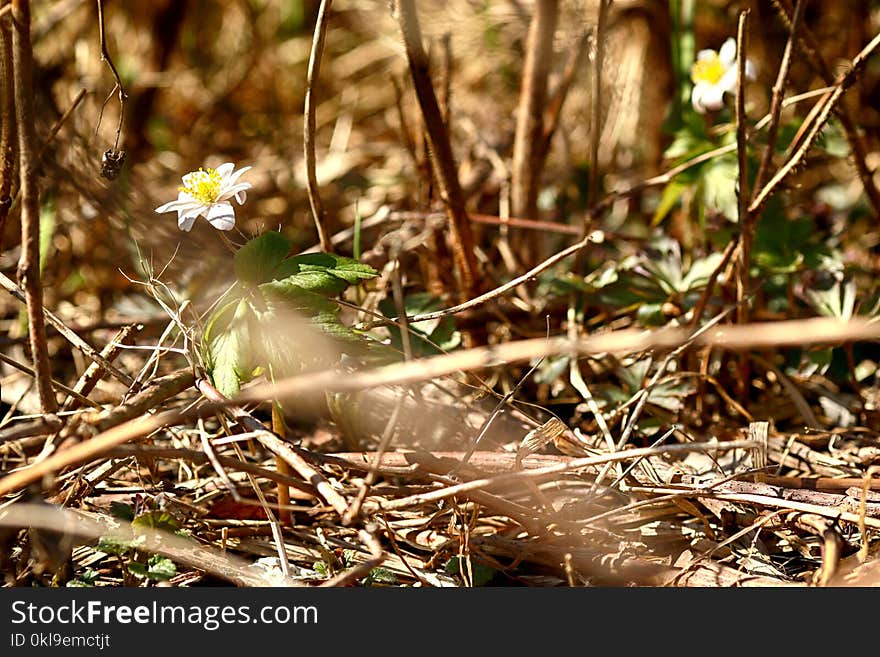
(808, 45)
(105, 57)
(8, 152)
(778, 94)
(746, 225)
(463, 252)
(557, 99)
(827, 103)
(309, 126)
(759, 335)
(527, 165)
(573, 464)
(29, 264)
(71, 337)
(597, 56)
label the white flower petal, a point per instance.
(750, 70)
(241, 197)
(185, 223)
(705, 54)
(225, 169)
(230, 180)
(221, 216)
(183, 201)
(711, 97)
(229, 192)
(728, 82)
(727, 53)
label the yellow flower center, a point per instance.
(203, 185)
(709, 70)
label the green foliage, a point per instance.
(482, 574)
(86, 579)
(428, 338)
(157, 568)
(255, 330)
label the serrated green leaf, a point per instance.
(160, 568)
(347, 269)
(257, 260)
(316, 281)
(115, 546)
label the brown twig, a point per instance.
(557, 98)
(29, 264)
(309, 123)
(277, 446)
(597, 56)
(573, 464)
(71, 337)
(800, 332)
(808, 45)
(827, 104)
(94, 371)
(464, 254)
(105, 57)
(527, 165)
(746, 224)
(746, 227)
(352, 575)
(778, 95)
(8, 152)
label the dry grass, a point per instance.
(567, 440)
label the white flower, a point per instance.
(206, 193)
(713, 74)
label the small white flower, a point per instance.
(714, 74)
(206, 193)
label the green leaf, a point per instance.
(122, 511)
(718, 182)
(157, 520)
(229, 348)
(115, 546)
(482, 573)
(86, 579)
(672, 193)
(347, 269)
(256, 261)
(157, 568)
(318, 282)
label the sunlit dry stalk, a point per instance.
(29, 264)
(352, 575)
(70, 335)
(746, 227)
(573, 464)
(598, 57)
(527, 146)
(90, 528)
(827, 104)
(746, 223)
(277, 446)
(464, 255)
(778, 95)
(761, 335)
(309, 126)
(808, 45)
